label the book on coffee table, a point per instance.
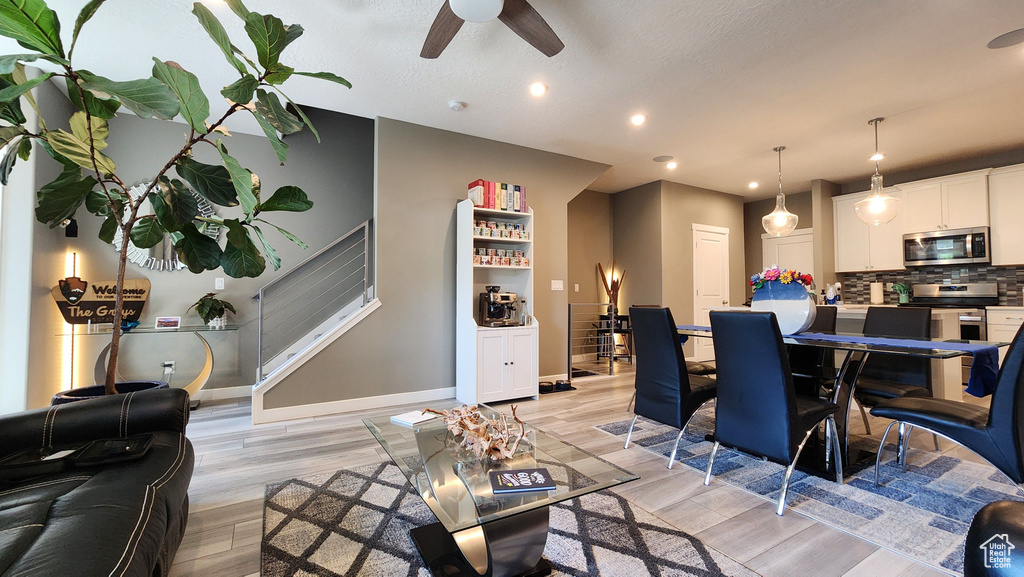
(520, 481)
(411, 418)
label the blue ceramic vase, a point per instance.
(790, 302)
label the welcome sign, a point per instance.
(82, 302)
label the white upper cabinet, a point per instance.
(958, 201)
(860, 247)
(1006, 195)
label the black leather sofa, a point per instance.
(995, 541)
(120, 518)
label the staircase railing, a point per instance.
(597, 337)
(299, 301)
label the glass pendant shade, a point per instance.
(779, 222)
(878, 208)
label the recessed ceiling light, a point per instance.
(752, 185)
(1008, 39)
(876, 157)
(671, 165)
(638, 119)
(538, 89)
(457, 105)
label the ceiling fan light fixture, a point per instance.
(878, 208)
(477, 10)
(779, 222)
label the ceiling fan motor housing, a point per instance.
(477, 10)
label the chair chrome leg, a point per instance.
(632, 401)
(830, 422)
(675, 447)
(829, 427)
(936, 439)
(901, 435)
(789, 473)
(881, 447)
(711, 463)
(864, 415)
(630, 433)
(906, 447)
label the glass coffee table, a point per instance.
(478, 532)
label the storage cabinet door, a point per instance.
(522, 359)
(1003, 333)
(491, 365)
(923, 207)
(965, 202)
(1006, 194)
(851, 235)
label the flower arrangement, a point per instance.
(785, 276)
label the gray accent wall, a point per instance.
(408, 344)
(636, 226)
(589, 224)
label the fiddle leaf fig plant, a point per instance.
(89, 175)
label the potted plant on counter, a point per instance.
(213, 311)
(90, 178)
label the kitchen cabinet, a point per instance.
(507, 363)
(795, 250)
(859, 247)
(950, 202)
(1006, 205)
(1003, 323)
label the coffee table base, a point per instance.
(509, 547)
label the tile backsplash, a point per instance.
(856, 289)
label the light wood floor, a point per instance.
(235, 460)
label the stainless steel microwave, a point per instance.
(956, 246)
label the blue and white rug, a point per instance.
(923, 513)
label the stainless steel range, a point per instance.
(973, 297)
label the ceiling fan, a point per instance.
(516, 14)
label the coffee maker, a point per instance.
(498, 309)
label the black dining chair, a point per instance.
(757, 411)
(994, 434)
(814, 368)
(665, 392)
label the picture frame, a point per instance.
(167, 322)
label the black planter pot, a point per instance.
(95, 391)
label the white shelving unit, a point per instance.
(492, 363)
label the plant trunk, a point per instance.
(115, 336)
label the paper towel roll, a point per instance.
(876, 293)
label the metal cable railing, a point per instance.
(321, 287)
(597, 338)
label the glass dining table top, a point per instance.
(454, 482)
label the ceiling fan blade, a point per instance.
(530, 26)
(444, 28)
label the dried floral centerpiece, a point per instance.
(784, 292)
(483, 436)
(784, 276)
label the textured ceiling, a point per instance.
(722, 82)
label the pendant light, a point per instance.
(878, 208)
(779, 222)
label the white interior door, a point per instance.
(794, 251)
(710, 280)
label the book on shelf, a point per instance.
(516, 206)
(520, 481)
(497, 195)
(476, 192)
(412, 418)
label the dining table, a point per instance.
(855, 350)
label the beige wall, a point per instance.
(408, 344)
(589, 223)
(799, 204)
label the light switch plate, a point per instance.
(577, 287)
(218, 283)
(556, 285)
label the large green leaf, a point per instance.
(238, 8)
(7, 163)
(174, 204)
(147, 98)
(268, 36)
(241, 258)
(301, 114)
(216, 31)
(279, 146)
(15, 90)
(278, 74)
(240, 179)
(286, 234)
(24, 148)
(18, 76)
(268, 249)
(194, 106)
(7, 62)
(211, 181)
(292, 33)
(10, 133)
(269, 105)
(108, 229)
(32, 24)
(11, 111)
(241, 90)
(147, 233)
(287, 198)
(80, 128)
(327, 76)
(60, 199)
(98, 203)
(98, 107)
(77, 151)
(84, 15)
(198, 251)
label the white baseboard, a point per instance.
(349, 405)
(553, 378)
(217, 394)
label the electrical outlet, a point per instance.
(888, 286)
(556, 285)
(168, 365)
(218, 283)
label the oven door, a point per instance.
(960, 246)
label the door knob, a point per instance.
(725, 302)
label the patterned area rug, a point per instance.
(357, 522)
(923, 513)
